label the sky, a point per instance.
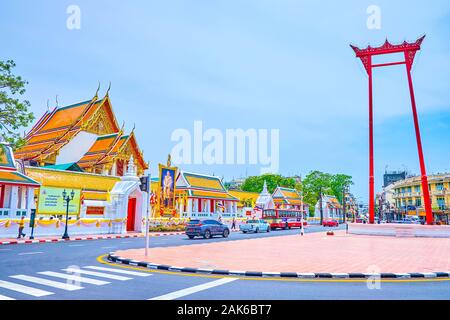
(253, 64)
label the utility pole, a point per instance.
(147, 216)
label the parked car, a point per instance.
(361, 220)
(255, 226)
(409, 220)
(330, 223)
(206, 229)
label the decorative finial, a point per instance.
(48, 106)
(98, 88)
(107, 91)
(169, 160)
(57, 103)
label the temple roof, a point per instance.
(6, 157)
(57, 127)
(107, 147)
(203, 186)
(8, 172)
(286, 195)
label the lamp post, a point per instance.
(67, 198)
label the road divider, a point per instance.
(255, 274)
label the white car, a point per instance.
(255, 226)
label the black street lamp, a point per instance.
(67, 198)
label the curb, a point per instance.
(304, 275)
(101, 237)
(80, 238)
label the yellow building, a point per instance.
(408, 196)
(247, 201)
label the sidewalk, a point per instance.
(46, 239)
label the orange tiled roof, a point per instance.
(107, 147)
(288, 195)
(205, 182)
(56, 128)
(203, 186)
(98, 150)
(15, 177)
(212, 195)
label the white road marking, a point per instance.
(73, 277)
(76, 245)
(133, 273)
(5, 298)
(97, 274)
(34, 252)
(24, 289)
(191, 290)
(108, 247)
(46, 282)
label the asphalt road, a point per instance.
(38, 271)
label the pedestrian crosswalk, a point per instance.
(50, 283)
(67, 279)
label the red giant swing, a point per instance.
(409, 50)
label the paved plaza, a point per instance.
(314, 252)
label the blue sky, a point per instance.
(245, 64)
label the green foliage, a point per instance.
(338, 183)
(256, 183)
(14, 113)
(247, 202)
(317, 182)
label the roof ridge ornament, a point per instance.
(107, 91)
(96, 92)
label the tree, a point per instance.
(246, 202)
(14, 113)
(256, 183)
(338, 183)
(315, 184)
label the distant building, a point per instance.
(391, 177)
(408, 197)
(331, 208)
(234, 184)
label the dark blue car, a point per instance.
(206, 229)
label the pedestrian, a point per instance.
(233, 224)
(220, 219)
(21, 227)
